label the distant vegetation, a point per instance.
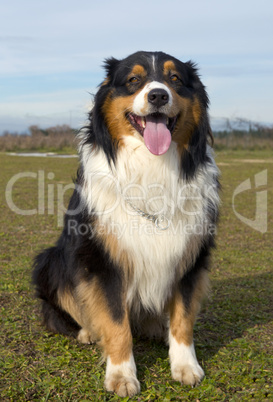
(239, 134)
(244, 134)
(53, 139)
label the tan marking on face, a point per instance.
(114, 111)
(181, 320)
(138, 70)
(114, 338)
(168, 66)
(190, 113)
(146, 103)
(196, 111)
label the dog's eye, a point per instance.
(134, 80)
(174, 78)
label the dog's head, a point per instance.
(157, 99)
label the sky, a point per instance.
(51, 54)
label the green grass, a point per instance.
(233, 334)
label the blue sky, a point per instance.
(51, 53)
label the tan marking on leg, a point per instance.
(115, 338)
(68, 303)
(184, 365)
(181, 325)
(181, 320)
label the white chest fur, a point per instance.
(153, 185)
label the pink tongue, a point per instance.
(156, 136)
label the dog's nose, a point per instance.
(158, 97)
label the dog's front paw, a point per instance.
(184, 365)
(121, 378)
(122, 386)
(188, 374)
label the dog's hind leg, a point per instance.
(59, 321)
(48, 279)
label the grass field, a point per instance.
(234, 332)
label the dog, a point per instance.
(133, 256)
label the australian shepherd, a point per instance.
(133, 256)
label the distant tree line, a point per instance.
(238, 134)
(60, 138)
(56, 131)
(244, 134)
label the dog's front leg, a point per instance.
(104, 318)
(121, 369)
(184, 365)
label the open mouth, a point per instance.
(156, 130)
(139, 122)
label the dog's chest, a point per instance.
(127, 201)
(159, 252)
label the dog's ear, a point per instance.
(195, 154)
(110, 66)
(98, 133)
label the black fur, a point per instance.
(97, 132)
(188, 282)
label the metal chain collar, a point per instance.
(161, 221)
